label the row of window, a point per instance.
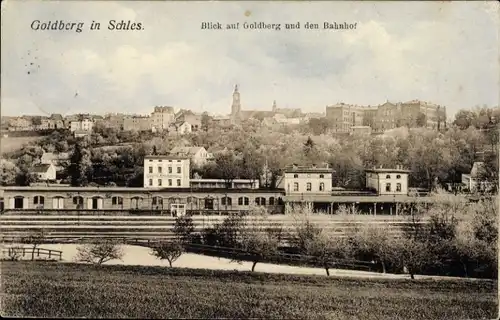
(308, 186)
(160, 169)
(389, 176)
(160, 160)
(78, 200)
(169, 181)
(388, 187)
(321, 176)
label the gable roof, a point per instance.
(51, 156)
(41, 168)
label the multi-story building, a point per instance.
(84, 125)
(137, 123)
(300, 180)
(388, 181)
(20, 124)
(166, 172)
(387, 116)
(418, 113)
(162, 117)
(113, 120)
(344, 116)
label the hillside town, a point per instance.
(338, 118)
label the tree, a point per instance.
(184, 228)
(376, 242)
(259, 245)
(8, 172)
(205, 121)
(79, 166)
(99, 252)
(323, 248)
(169, 250)
(308, 146)
(35, 238)
(227, 167)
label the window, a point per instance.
(39, 200)
(150, 169)
(321, 186)
(117, 201)
(321, 176)
(150, 182)
(388, 187)
(398, 187)
(295, 186)
(271, 201)
(159, 182)
(398, 176)
(157, 201)
(295, 175)
(18, 202)
(169, 169)
(178, 169)
(260, 201)
(243, 201)
(170, 182)
(78, 200)
(178, 182)
(159, 169)
(209, 204)
(388, 176)
(226, 201)
(58, 203)
(308, 186)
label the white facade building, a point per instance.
(311, 180)
(84, 125)
(166, 172)
(388, 181)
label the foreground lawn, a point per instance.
(45, 289)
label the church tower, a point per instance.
(274, 106)
(236, 106)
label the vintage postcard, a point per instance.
(249, 159)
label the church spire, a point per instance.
(274, 106)
(235, 88)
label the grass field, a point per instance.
(11, 144)
(71, 290)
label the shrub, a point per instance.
(168, 250)
(99, 252)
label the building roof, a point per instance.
(387, 170)
(167, 157)
(51, 156)
(41, 168)
(308, 169)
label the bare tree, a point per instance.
(35, 238)
(99, 252)
(168, 250)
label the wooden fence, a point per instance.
(30, 251)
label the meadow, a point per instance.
(48, 289)
(11, 144)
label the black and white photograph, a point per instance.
(249, 159)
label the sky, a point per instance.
(442, 52)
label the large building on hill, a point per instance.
(386, 116)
